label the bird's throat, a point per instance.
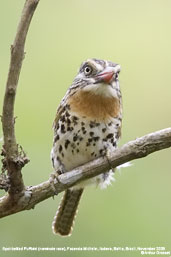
(94, 106)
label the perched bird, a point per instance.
(87, 125)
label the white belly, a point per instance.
(83, 144)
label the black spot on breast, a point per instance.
(75, 120)
(58, 159)
(53, 161)
(68, 121)
(109, 124)
(101, 151)
(77, 150)
(84, 132)
(94, 124)
(81, 138)
(73, 145)
(82, 123)
(103, 130)
(60, 148)
(96, 138)
(69, 128)
(63, 129)
(56, 138)
(67, 142)
(91, 133)
(91, 125)
(62, 118)
(92, 153)
(75, 138)
(90, 140)
(109, 135)
(67, 114)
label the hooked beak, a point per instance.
(108, 74)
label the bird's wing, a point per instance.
(60, 109)
(63, 103)
(58, 115)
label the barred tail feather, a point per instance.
(64, 218)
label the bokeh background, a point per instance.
(136, 209)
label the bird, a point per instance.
(87, 125)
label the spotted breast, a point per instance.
(87, 125)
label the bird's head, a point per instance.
(95, 91)
(99, 77)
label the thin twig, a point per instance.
(12, 155)
(138, 148)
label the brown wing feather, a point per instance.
(58, 114)
(61, 107)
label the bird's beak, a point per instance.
(107, 75)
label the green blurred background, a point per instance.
(136, 209)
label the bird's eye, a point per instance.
(88, 70)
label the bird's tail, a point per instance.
(64, 218)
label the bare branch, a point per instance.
(14, 159)
(138, 148)
(21, 198)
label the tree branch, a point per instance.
(14, 157)
(138, 148)
(20, 198)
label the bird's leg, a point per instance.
(106, 153)
(108, 159)
(54, 176)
